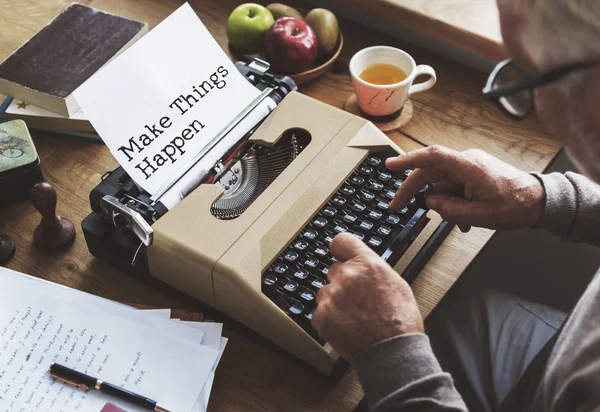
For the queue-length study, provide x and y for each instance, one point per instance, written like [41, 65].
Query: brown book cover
[65, 53]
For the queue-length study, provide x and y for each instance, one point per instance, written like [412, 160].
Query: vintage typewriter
[249, 235]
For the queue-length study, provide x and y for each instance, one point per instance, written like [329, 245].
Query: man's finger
[413, 183]
[457, 210]
[346, 246]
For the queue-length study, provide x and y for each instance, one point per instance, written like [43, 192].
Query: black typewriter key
[366, 195]
[366, 225]
[331, 259]
[392, 220]
[384, 176]
[340, 227]
[384, 231]
[349, 216]
[311, 261]
[328, 236]
[373, 161]
[338, 201]
[300, 273]
[321, 251]
[348, 190]
[375, 242]
[424, 189]
[390, 194]
[383, 205]
[306, 294]
[397, 184]
[374, 185]
[300, 244]
[407, 172]
[269, 280]
[329, 211]
[374, 214]
[359, 235]
[412, 201]
[290, 255]
[296, 309]
[358, 206]
[324, 270]
[320, 221]
[403, 211]
[317, 282]
[280, 268]
[357, 180]
[365, 170]
[309, 233]
[290, 286]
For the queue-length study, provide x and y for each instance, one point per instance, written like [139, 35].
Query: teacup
[387, 100]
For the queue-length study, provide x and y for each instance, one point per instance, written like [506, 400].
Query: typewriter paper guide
[160, 102]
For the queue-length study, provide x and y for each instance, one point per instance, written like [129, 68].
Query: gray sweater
[402, 373]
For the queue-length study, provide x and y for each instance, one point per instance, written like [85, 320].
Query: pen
[83, 381]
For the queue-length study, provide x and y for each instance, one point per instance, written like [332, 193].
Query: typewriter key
[348, 190]
[374, 214]
[397, 184]
[390, 194]
[384, 176]
[365, 170]
[366, 195]
[359, 235]
[357, 180]
[329, 211]
[300, 244]
[375, 242]
[383, 205]
[300, 273]
[307, 294]
[290, 256]
[384, 231]
[373, 161]
[392, 220]
[338, 201]
[280, 268]
[374, 185]
[309, 233]
[366, 225]
[321, 251]
[359, 207]
[320, 222]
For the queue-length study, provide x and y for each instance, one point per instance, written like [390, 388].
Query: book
[144, 351]
[50, 66]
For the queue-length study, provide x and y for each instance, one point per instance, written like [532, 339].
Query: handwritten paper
[39, 326]
[160, 102]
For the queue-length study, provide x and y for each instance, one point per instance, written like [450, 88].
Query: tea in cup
[383, 80]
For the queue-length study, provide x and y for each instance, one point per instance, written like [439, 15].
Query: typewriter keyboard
[361, 207]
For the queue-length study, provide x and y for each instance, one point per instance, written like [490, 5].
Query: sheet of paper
[39, 328]
[22, 282]
[202, 402]
[161, 101]
[164, 314]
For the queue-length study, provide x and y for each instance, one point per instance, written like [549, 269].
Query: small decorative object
[53, 232]
[19, 162]
[7, 248]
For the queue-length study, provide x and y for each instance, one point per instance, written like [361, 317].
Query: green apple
[247, 25]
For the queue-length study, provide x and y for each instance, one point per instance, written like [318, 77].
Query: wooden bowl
[320, 66]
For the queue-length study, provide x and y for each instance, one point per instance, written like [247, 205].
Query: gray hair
[569, 29]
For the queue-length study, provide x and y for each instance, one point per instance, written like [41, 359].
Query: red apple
[290, 45]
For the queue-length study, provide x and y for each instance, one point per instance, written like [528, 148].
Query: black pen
[83, 381]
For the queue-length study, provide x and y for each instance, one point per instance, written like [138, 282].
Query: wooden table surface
[254, 375]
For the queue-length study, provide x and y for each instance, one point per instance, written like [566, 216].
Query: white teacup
[385, 100]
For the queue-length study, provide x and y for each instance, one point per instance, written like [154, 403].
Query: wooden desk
[254, 375]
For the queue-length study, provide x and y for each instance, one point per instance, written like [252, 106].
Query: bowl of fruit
[302, 44]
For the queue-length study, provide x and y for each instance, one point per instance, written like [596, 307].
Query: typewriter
[251, 236]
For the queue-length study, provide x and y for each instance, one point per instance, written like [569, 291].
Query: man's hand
[365, 302]
[470, 188]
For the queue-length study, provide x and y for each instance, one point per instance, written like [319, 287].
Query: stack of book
[41, 75]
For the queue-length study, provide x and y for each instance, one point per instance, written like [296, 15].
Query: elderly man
[504, 353]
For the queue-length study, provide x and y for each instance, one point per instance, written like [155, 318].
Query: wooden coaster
[405, 115]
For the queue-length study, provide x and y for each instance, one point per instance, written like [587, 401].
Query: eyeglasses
[512, 89]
